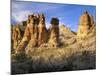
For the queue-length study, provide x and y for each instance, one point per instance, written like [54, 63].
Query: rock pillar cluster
[36, 34]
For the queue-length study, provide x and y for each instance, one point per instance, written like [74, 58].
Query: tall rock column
[34, 33]
[54, 33]
[27, 35]
[42, 38]
[16, 36]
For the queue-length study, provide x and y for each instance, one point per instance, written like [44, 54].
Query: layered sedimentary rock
[54, 33]
[86, 26]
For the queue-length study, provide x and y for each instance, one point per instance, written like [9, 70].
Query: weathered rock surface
[86, 26]
[42, 38]
[16, 36]
[27, 35]
[66, 35]
[35, 33]
[54, 33]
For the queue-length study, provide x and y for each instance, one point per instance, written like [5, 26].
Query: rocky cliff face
[86, 26]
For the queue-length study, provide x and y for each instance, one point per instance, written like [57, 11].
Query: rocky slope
[66, 35]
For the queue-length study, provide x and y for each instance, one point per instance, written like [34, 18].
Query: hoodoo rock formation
[33, 31]
[36, 34]
[42, 37]
[86, 25]
[39, 35]
[54, 33]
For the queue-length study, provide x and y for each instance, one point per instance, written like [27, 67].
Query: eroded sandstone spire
[35, 33]
[16, 36]
[42, 37]
[86, 25]
[24, 40]
[54, 33]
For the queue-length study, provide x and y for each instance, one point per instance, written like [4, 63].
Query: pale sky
[68, 14]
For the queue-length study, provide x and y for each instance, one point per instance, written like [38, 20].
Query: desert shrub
[21, 63]
[20, 57]
[54, 59]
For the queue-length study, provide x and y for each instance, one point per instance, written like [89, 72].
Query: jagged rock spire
[42, 38]
[86, 22]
